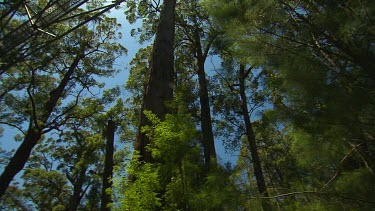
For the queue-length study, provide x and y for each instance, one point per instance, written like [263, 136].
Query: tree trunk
[75, 199]
[19, 159]
[108, 166]
[206, 122]
[259, 176]
[159, 89]
[34, 133]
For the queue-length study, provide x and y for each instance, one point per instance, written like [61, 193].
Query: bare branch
[14, 126]
[341, 162]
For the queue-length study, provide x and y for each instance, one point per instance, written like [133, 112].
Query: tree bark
[108, 165]
[34, 132]
[159, 89]
[258, 172]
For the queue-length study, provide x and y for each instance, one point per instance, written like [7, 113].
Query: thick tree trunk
[206, 122]
[159, 89]
[34, 133]
[108, 166]
[19, 159]
[258, 172]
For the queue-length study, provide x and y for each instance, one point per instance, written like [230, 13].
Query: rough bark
[159, 89]
[108, 166]
[258, 172]
[34, 133]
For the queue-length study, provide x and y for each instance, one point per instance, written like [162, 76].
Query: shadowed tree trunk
[77, 183]
[258, 172]
[201, 45]
[206, 122]
[35, 132]
[159, 89]
[108, 165]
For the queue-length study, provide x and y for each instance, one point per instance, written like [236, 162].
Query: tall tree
[42, 83]
[258, 171]
[318, 56]
[198, 38]
[159, 88]
[108, 165]
[238, 99]
[75, 155]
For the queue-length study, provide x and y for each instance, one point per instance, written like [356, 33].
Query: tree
[250, 134]
[49, 188]
[29, 27]
[175, 181]
[108, 164]
[159, 88]
[42, 83]
[198, 37]
[311, 52]
[13, 199]
[77, 155]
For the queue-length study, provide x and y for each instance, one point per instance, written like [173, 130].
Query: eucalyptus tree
[239, 99]
[68, 170]
[197, 37]
[51, 84]
[159, 87]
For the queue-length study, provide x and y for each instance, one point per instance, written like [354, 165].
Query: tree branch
[338, 168]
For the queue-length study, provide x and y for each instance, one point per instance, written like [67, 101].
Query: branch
[18, 202]
[70, 178]
[341, 162]
[14, 126]
[286, 194]
[248, 72]
[33, 105]
[315, 192]
[364, 161]
[54, 124]
[208, 47]
[156, 7]
[49, 42]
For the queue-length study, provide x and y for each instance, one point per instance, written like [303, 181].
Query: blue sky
[133, 45]
[7, 140]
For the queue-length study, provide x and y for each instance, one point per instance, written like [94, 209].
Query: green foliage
[218, 192]
[358, 184]
[47, 189]
[320, 89]
[175, 182]
[172, 138]
[148, 13]
[312, 69]
[173, 145]
[139, 71]
[142, 194]
[13, 199]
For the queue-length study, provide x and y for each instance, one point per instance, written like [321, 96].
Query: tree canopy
[286, 85]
